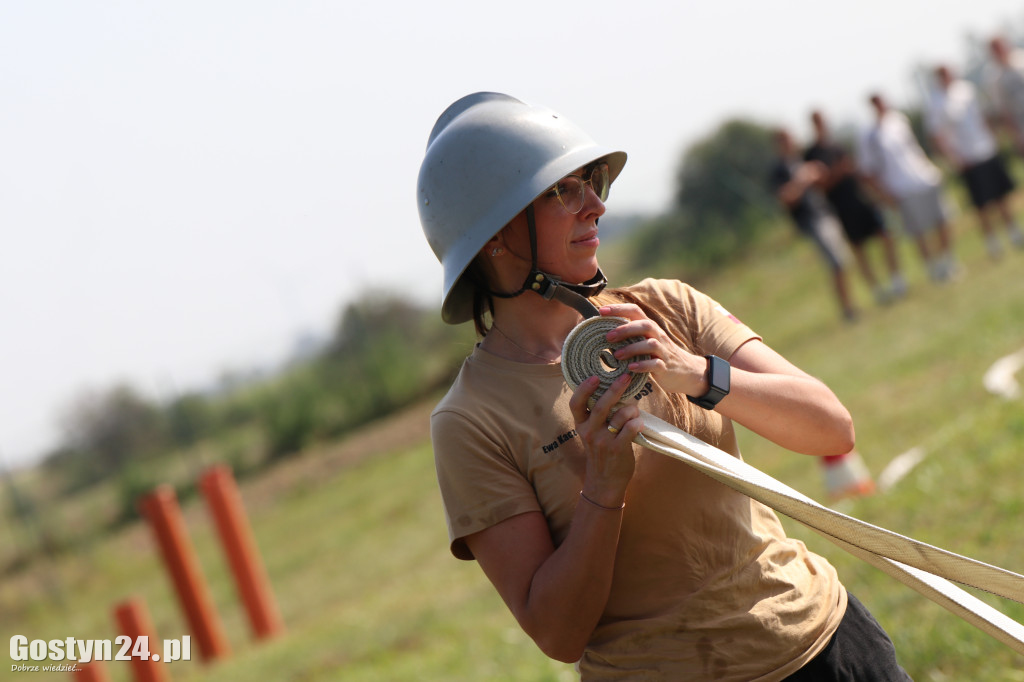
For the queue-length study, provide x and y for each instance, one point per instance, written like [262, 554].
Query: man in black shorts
[795, 184]
[960, 132]
[861, 219]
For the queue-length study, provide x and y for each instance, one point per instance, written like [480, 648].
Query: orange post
[164, 515]
[93, 671]
[226, 506]
[133, 620]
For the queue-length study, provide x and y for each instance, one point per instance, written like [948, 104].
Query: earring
[497, 251]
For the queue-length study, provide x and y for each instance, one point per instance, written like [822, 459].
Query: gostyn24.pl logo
[64, 654]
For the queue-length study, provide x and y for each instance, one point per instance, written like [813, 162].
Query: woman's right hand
[607, 439]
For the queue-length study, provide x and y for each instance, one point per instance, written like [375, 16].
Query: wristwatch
[718, 383]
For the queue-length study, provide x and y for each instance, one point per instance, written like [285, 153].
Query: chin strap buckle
[573, 295]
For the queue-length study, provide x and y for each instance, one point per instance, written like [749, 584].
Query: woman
[623, 560]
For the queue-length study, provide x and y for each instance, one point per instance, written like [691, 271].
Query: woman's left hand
[674, 368]
[769, 395]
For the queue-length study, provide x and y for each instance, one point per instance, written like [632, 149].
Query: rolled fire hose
[923, 567]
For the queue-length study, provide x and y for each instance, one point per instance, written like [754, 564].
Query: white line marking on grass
[999, 378]
[900, 466]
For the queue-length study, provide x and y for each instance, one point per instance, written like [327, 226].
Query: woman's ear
[495, 246]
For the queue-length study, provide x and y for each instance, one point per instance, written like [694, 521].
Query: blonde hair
[683, 413]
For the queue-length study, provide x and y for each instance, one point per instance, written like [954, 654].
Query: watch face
[718, 383]
[719, 374]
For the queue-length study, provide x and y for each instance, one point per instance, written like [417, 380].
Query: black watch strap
[718, 383]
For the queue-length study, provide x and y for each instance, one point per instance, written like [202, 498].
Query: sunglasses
[572, 192]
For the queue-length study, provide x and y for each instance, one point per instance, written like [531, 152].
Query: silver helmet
[488, 157]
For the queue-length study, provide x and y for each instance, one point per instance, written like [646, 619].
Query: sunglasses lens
[571, 193]
[599, 180]
[572, 189]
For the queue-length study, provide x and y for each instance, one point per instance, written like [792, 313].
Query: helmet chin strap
[573, 295]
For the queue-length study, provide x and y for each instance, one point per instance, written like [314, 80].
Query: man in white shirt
[1004, 80]
[960, 133]
[896, 167]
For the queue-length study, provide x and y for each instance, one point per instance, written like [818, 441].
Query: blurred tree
[103, 430]
[19, 506]
[724, 175]
[375, 314]
[722, 199]
[189, 418]
[386, 352]
[291, 414]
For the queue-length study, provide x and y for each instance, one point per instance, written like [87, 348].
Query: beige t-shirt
[706, 584]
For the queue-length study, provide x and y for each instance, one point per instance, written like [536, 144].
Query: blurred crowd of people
[835, 194]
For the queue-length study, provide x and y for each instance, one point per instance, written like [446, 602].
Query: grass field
[353, 536]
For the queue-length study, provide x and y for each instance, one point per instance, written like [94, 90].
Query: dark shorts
[860, 221]
[859, 651]
[987, 181]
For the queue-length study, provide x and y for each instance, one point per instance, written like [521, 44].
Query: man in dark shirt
[861, 219]
[795, 183]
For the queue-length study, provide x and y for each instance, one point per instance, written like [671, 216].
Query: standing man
[958, 130]
[861, 219]
[1005, 88]
[795, 182]
[896, 167]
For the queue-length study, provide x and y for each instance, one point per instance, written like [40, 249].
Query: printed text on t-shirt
[568, 435]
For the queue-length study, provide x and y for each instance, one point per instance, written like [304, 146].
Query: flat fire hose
[923, 567]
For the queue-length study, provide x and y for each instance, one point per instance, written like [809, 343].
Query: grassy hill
[353, 536]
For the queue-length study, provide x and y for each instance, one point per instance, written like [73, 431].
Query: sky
[187, 188]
